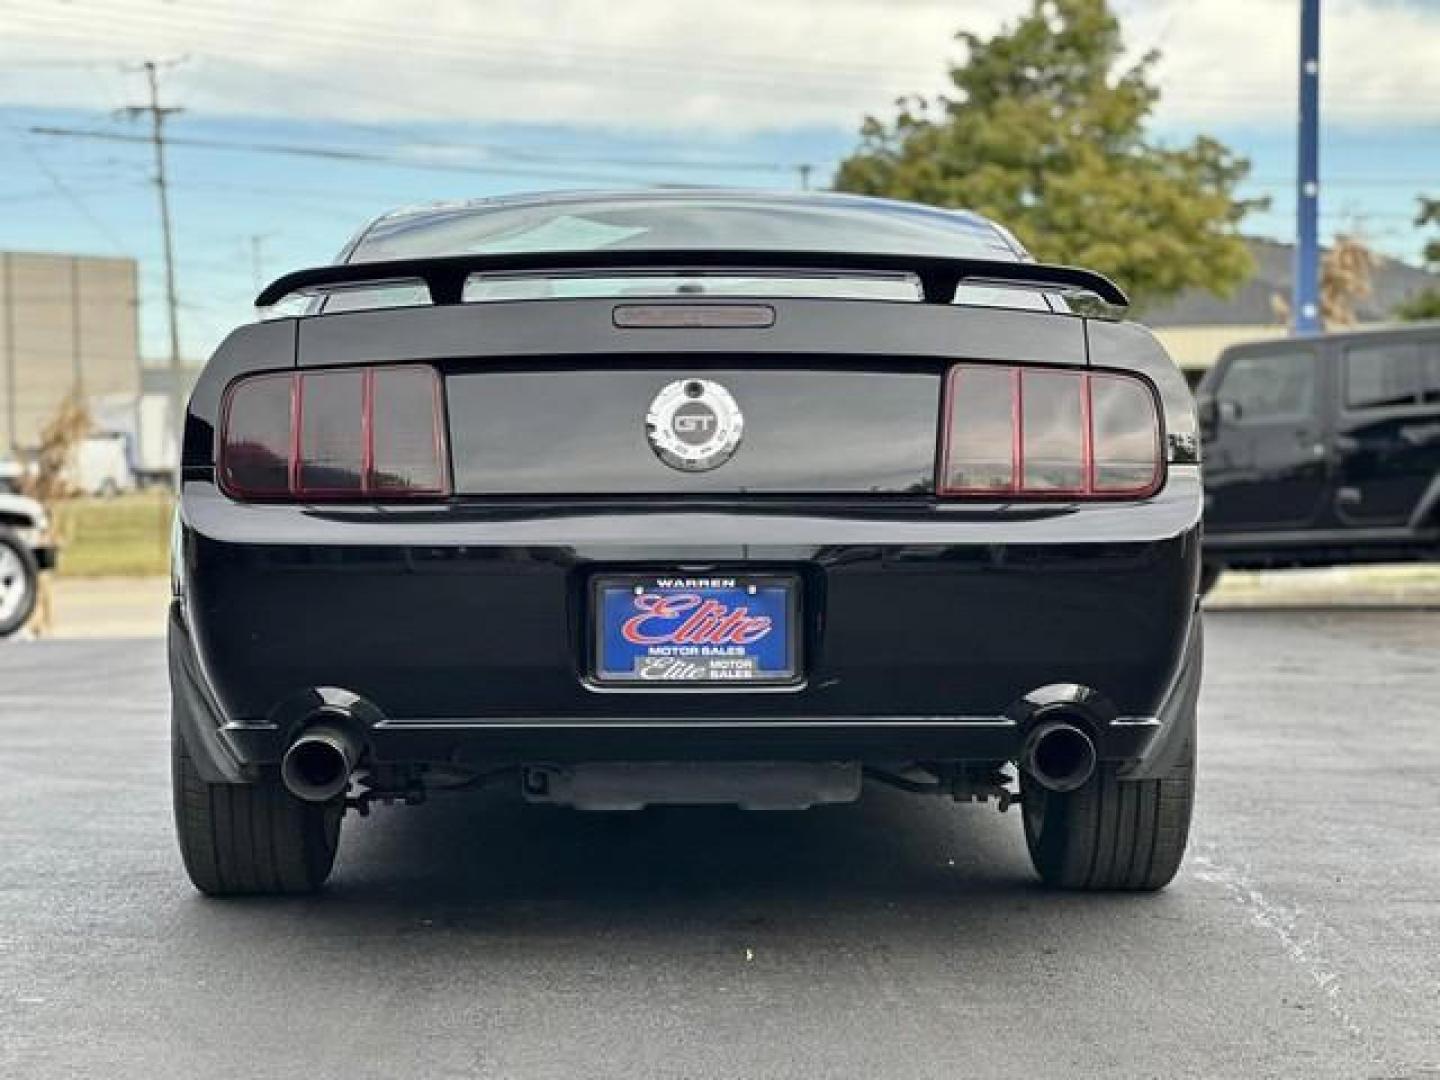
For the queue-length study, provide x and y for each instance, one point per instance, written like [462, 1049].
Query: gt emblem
[694, 425]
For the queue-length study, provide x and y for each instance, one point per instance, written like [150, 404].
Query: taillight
[1045, 433]
[351, 433]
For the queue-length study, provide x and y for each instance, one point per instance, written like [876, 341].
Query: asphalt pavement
[897, 937]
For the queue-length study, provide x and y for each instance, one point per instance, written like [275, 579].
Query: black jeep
[1323, 450]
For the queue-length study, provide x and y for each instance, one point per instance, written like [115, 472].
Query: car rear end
[429, 545]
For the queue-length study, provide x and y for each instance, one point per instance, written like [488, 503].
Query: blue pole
[1305, 307]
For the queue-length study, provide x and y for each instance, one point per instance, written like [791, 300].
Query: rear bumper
[461, 635]
[237, 751]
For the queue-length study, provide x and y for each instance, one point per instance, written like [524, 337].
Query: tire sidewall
[31, 570]
[304, 836]
[1064, 830]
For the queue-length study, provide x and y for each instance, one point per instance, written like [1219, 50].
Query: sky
[403, 103]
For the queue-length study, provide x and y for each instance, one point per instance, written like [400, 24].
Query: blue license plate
[696, 630]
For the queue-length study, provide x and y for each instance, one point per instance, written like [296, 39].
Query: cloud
[1234, 61]
[677, 65]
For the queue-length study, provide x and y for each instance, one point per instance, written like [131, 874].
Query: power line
[69, 195]
[397, 160]
[528, 56]
[688, 163]
[708, 163]
[330, 195]
[61, 65]
[494, 57]
[529, 52]
[332, 153]
[45, 194]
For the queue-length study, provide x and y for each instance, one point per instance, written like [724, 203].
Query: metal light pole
[1305, 307]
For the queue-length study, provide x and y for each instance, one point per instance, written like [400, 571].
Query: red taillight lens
[354, 433]
[1040, 432]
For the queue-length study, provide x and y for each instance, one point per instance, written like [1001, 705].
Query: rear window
[661, 222]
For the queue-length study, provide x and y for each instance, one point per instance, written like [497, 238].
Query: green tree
[1046, 133]
[1426, 303]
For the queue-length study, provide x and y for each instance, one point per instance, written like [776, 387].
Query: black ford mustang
[686, 497]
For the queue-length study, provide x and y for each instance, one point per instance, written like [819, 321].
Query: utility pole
[158, 114]
[257, 262]
[1305, 306]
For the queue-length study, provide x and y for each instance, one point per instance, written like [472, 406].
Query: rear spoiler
[445, 276]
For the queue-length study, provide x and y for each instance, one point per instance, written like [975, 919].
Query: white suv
[26, 548]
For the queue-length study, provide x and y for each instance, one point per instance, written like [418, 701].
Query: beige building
[66, 321]
[1196, 348]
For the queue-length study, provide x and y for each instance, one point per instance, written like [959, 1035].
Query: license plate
[696, 630]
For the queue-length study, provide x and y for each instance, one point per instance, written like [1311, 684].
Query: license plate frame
[704, 665]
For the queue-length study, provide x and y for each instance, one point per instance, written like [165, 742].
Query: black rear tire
[250, 839]
[1111, 834]
[21, 585]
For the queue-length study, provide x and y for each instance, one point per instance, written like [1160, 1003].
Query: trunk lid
[738, 429]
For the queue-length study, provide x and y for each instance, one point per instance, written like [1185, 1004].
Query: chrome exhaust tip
[318, 765]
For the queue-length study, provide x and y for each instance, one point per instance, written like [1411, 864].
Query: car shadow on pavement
[495, 867]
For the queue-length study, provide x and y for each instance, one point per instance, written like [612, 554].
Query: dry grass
[128, 536]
